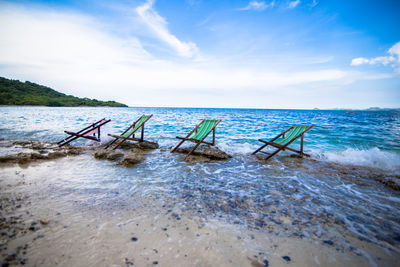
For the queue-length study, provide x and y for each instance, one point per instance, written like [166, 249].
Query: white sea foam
[373, 157]
[236, 148]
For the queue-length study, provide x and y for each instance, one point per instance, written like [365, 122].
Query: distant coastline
[16, 93]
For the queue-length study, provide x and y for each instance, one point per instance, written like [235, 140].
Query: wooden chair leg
[259, 149]
[180, 143]
[273, 154]
[111, 143]
[301, 144]
[193, 149]
[213, 141]
[68, 141]
[120, 143]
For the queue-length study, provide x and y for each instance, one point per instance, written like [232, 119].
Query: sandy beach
[47, 223]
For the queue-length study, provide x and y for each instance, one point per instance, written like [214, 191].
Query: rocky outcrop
[209, 152]
[145, 145]
[128, 154]
[131, 160]
[36, 151]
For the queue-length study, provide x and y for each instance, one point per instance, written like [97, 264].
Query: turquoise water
[367, 138]
[325, 197]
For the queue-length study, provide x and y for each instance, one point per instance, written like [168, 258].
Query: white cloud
[258, 5]
[393, 58]
[314, 3]
[294, 4]
[359, 61]
[159, 26]
[74, 54]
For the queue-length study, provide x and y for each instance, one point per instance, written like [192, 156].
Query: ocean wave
[373, 157]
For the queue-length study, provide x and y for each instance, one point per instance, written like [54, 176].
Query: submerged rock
[8, 158]
[112, 156]
[41, 151]
[145, 145]
[131, 160]
[56, 154]
[37, 156]
[74, 150]
[101, 154]
[211, 152]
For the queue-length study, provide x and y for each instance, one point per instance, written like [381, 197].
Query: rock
[148, 145]
[197, 159]
[211, 152]
[112, 156]
[56, 154]
[255, 263]
[8, 158]
[24, 158]
[101, 154]
[286, 258]
[22, 143]
[74, 150]
[131, 160]
[139, 147]
[37, 156]
[44, 221]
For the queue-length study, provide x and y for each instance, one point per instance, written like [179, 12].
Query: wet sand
[65, 236]
[42, 225]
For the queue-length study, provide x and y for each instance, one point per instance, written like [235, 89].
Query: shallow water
[366, 138]
[312, 199]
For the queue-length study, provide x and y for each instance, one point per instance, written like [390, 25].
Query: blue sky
[196, 53]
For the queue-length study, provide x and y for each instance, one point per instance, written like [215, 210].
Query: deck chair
[129, 134]
[200, 132]
[91, 132]
[284, 139]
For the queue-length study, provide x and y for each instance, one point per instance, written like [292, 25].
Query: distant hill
[14, 92]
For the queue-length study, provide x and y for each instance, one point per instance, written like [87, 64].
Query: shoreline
[49, 217]
[59, 233]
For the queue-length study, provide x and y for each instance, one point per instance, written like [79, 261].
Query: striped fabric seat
[198, 134]
[129, 134]
[137, 126]
[284, 139]
[91, 132]
[292, 134]
[203, 129]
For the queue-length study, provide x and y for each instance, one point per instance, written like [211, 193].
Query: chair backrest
[137, 126]
[293, 133]
[96, 126]
[205, 127]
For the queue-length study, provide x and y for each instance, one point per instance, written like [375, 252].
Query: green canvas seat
[198, 134]
[284, 139]
[129, 134]
[91, 132]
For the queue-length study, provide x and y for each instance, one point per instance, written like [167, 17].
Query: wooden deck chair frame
[284, 147]
[123, 139]
[84, 133]
[198, 142]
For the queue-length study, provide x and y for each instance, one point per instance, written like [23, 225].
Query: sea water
[367, 138]
[328, 197]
